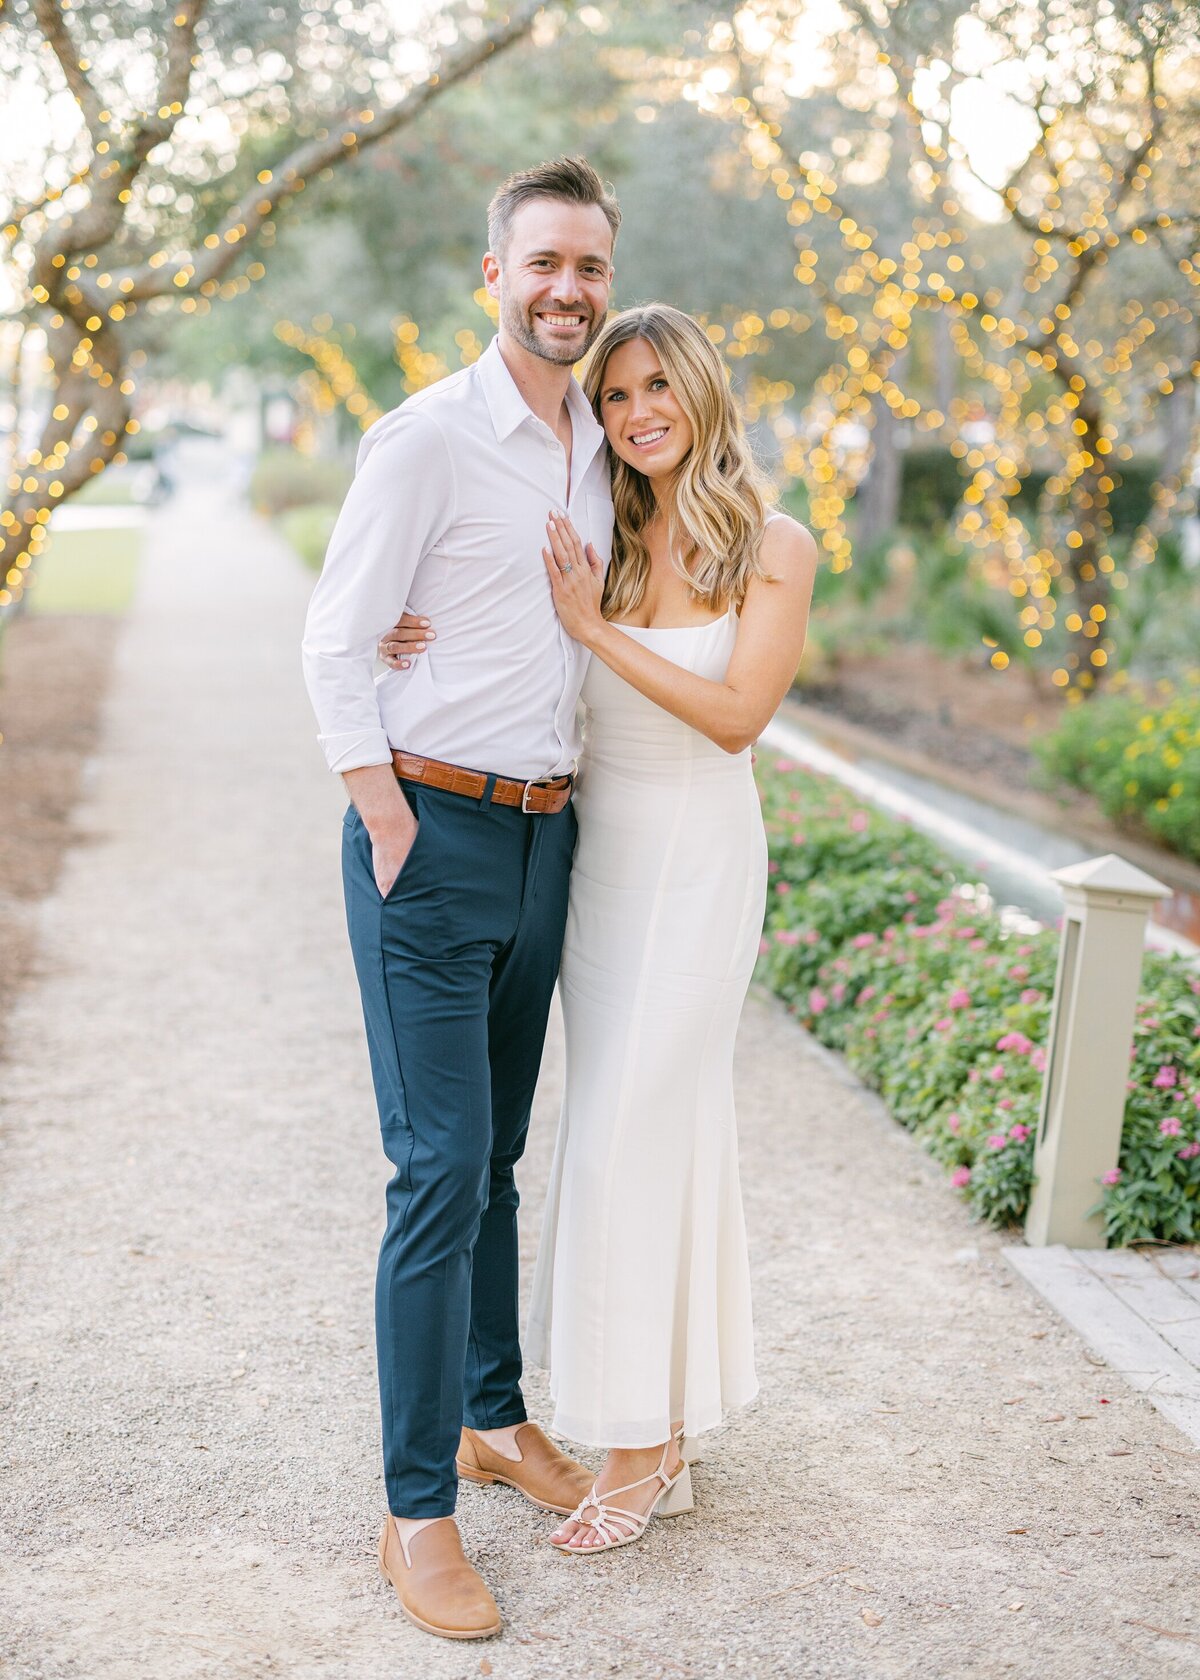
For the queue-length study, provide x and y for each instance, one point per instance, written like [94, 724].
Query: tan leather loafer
[548, 1477]
[439, 1591]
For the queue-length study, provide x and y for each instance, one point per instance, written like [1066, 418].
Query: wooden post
[1106, 904]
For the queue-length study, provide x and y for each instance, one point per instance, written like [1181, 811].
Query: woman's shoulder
[788, 549]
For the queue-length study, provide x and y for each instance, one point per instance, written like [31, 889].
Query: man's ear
[491, 273]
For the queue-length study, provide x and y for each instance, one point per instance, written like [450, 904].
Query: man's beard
[519, 327]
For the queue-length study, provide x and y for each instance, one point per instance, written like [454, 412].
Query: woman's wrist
[598, 635]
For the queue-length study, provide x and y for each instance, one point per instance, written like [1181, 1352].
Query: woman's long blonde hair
[719, 505]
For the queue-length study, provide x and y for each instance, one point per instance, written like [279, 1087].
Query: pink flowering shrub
[945, 1013]
[1158, 1192]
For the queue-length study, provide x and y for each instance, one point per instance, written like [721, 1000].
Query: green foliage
[1157, 1192]
[889, 957]
[1130, 499]
[932, 481]
[1158, 617]
[309, 529]
[931, 487]
[1139, 754]
[283, 479]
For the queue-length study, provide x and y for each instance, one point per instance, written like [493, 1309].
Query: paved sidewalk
[936, 1480]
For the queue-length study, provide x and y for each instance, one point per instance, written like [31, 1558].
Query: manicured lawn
[117, 487]
[87, 571]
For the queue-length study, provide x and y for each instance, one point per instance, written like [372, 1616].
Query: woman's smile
[648, 439]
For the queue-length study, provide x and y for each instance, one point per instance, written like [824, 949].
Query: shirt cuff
[356, 751]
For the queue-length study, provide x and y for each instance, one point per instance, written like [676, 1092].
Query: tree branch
[53, 26]
[326, 150]
[154, 128]
[22, 212]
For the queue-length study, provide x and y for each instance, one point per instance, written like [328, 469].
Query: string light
[336, 382]
[868, 302]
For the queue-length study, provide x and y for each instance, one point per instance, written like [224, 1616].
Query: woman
[641, 1293]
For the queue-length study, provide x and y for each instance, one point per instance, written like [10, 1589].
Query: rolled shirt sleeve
[400, 503]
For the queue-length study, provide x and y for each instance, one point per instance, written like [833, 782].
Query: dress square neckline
[655, 629]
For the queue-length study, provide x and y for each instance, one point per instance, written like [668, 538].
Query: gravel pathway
[936, 1480]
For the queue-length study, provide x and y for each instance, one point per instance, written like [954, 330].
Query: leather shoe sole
[485, 1476]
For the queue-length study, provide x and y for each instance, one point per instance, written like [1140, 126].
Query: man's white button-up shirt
[447, 517]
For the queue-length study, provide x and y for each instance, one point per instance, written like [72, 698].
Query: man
[456, 878]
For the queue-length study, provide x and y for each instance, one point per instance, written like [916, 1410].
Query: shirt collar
[508, 407]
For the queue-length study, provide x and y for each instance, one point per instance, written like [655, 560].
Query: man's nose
[565, 288]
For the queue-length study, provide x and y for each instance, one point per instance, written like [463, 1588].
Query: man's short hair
[571, 179]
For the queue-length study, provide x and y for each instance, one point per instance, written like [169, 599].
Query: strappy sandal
[610, 1522]
[689, 1445]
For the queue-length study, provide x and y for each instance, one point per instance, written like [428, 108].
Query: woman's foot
[622, 1466]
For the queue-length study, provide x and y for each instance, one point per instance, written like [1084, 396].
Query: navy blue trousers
[456, 967]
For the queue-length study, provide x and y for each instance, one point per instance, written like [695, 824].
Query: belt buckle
[537, 782]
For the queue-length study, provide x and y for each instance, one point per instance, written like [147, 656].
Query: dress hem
[595, 1434]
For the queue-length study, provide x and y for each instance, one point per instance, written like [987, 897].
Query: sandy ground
[53, 674]
[935, 1481]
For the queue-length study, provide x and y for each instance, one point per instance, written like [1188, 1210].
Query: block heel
[676, 1499]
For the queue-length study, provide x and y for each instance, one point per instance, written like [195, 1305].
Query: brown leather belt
[543, 798]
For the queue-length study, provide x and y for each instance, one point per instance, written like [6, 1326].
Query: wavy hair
[719, 505]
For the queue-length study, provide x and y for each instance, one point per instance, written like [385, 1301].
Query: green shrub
[1129, 502]
[931, 485]
[309, 529]
[874, 940]
[1139, 754]
[932, 481]
[283, 479]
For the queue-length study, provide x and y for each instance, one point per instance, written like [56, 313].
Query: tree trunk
[1088, 601]
[877, 499]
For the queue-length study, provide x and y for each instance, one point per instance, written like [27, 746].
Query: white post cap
[1109, 880]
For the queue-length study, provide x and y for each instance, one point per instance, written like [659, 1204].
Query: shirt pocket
[600, 525]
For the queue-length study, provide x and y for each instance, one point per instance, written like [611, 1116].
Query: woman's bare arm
[770, 639]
